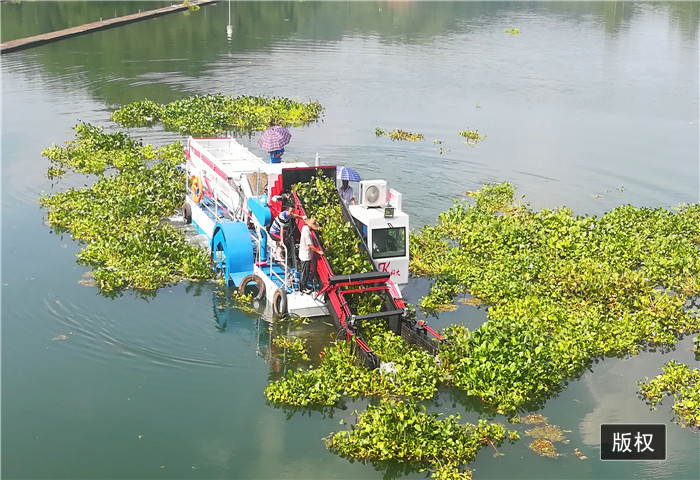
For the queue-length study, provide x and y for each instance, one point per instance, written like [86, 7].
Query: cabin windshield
[389, 242]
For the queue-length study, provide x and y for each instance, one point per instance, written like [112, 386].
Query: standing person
[346, 193]
[306, 250]
[282, 230]
[276, 155]
[273, 139]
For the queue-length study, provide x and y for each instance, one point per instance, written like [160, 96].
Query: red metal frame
[335, 291]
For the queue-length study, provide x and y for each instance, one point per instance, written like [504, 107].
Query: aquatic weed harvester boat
[232, 198]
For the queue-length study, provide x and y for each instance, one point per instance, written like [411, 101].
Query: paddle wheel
[232, 248]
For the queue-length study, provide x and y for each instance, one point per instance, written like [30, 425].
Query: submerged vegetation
[118, 218]
[218, 114]
[684, 384]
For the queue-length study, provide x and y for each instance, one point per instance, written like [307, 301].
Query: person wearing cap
[306, 251]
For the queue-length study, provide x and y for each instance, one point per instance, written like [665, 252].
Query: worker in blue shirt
[276, 155]
[282, 231]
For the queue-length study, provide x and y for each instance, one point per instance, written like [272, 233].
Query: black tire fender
[252, 279]
[279, 302]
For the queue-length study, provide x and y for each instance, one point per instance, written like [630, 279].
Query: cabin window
[389, 242]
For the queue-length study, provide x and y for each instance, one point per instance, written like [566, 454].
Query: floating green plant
[405, 432]
[472, 135]
[118, 218]
[218, 114]
[294, 347]
[232, 298]
[192, 7]
[563, 290]
[93, 151]
[513, 31]
[544, 448]
[684, 384]
[535, 418]
[548, 432]
[410, 372]
[399, 135]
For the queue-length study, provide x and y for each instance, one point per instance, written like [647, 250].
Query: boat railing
[218, 209]
[271, 245]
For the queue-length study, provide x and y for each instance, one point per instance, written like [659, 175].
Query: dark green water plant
[118, 218]
[563, 290]
[683, 384]
[210, 115]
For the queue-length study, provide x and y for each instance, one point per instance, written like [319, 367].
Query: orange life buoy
[197, 190]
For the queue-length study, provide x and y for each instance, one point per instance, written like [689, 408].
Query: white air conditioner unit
[373, 193]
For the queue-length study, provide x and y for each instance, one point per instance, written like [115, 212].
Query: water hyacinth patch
[563, 290]
[294, 349]
[683, 384]
[472, 136]
[210, 115]
[94, 150]
[399, 134]
[544, 448]
[414, 373]
[119, 217]
[404, 431]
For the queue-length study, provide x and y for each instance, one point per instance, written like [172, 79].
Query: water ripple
[145, 338]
